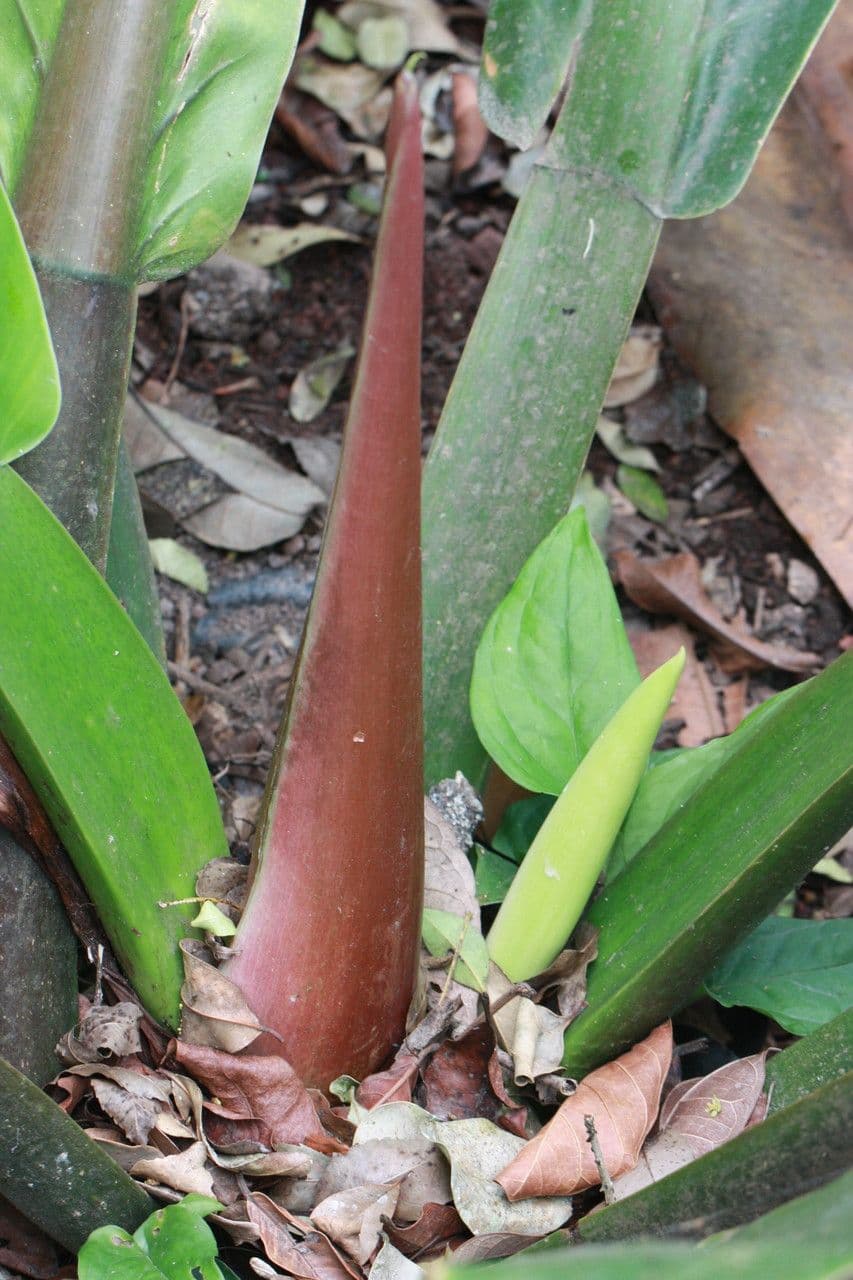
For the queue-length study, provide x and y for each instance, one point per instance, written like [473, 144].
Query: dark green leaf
[644, 491]
[443, 932]
[719, 866]
[672, 102]
[554, 663]
[89, 713]
[173, 1244]
[493, 874]
[526, 55]
[29, 378]
[811, 1062]
[799, 972]
[520, 824]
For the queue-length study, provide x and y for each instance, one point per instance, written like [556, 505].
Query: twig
[179, 350]
[606, 1180]
[454, 959]
[227, 696]
[691, 1046]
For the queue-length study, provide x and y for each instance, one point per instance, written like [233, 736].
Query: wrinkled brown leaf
[674, 586]
[188, 1171]
[313, 1258]
[135, 1116]
[225, 881]
[697, 1116]
[622, 1097]
[215, 1012]
[488, 1248]
[437, 1225]
[637, 367]
[456, 1078]
[352, 1219]
[756, 298]
[104, 1030]
[448, 877]
[263, 1088]
[316, 130]
[395, 1084]
[530, 1033]
[415, 1164]
[565, 978]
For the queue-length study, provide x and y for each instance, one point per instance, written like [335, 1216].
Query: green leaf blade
[719, 866]
[554, 663]
[223, 72]
[29, 29]
[90, 715]
[29, 378]
[798, 972]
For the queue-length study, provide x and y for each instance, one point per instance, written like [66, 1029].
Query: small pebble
[803, 582]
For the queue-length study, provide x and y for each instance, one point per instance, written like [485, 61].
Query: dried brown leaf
[313, 1258]
[456, 1078]
[135, 1116]
[448, 877]
[260, 1088]
[215, 1012]
[622, 1097]
[187, 1171]
[24, 1247]
[530, 1033]
[674, 586]
[695, 701]
[414, 1164]
[352, 1219]
[437, 1225]
[565, 977]
[104, 1030]
[488, 1248]
[469, 128]
[395, 1084]
[637, 367]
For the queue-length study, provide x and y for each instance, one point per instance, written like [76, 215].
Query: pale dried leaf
[102, 1031]
[612, 436]
[188, 1171]
[449, 878]
[565, 977]
[530, 1033]
[674, 586]
[147, 442]
[425, 23]
[123, 1155]
[414, 1163]
[477, 1151]
[240, 464]
[348, 91]
[319, 457]
[622, 1097]
[224, 880]
[637, 367]
[353, 1218]
[391, 1264]
[215, 1012]
[695, 699]
[288, 1161]
[135, 1116]
[314, 384]
[239, 523]
[490, 1247]
[264, 244]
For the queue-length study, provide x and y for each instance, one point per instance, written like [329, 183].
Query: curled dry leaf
[565, 978]
[415, 1165]
[215, 1012]
[637, 367]
[261, 1088]
[319, 457]
[448, 877]
[314, 384]
[136, 1116]
[530, 1033]
[187, 1171]
[697, 1116]
[352, 1219]
[314, 1258]
[438, 1224]
[264, 244]
[674, 586]
[104, 1030]
[488, 1248]
[696, 701]
[225, 881]
[622, 1097]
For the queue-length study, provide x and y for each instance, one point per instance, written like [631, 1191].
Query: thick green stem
[78, 199]
[518, 422]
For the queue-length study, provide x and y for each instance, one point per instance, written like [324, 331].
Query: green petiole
[553, 884]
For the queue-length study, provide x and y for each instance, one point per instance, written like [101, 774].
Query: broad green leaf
[672, 101]
[719, 866]
[811, 1062]
[493, 874]
[89, 713]
[29, 378]
[172, 1244]
[793, 1151]
[53, 1172]
[799, 972]
[673, 778]
[520, 824]
[526, 54]
[219, 77]
[443, 932]
[644, 491]
[554, 663]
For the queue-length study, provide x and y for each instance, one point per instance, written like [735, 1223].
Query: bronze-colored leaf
[313, 1258]
[395, 1084]
[456, 1078]
[214, 1010]
[263, 1088]
[705, 710]
[674, 586]
[622, 1097]
[437, 1225]
[756, 298]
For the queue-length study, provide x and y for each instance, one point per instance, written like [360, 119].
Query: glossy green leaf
[443, 932]
[527, 49]
[673, 778]
[520, 824]
[216, 69]
[644, 492]
[718, 867]
[89, 713]
[554, 663]
[811, 1062]
[793, 1151]
[173, 1244]
[493, 874]
[29, 378]
[54, 1173]
[671, 101]
[798, 972]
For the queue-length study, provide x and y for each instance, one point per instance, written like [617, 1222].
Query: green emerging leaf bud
[554, 882]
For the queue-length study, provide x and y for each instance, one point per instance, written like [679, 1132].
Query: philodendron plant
[128, 144]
